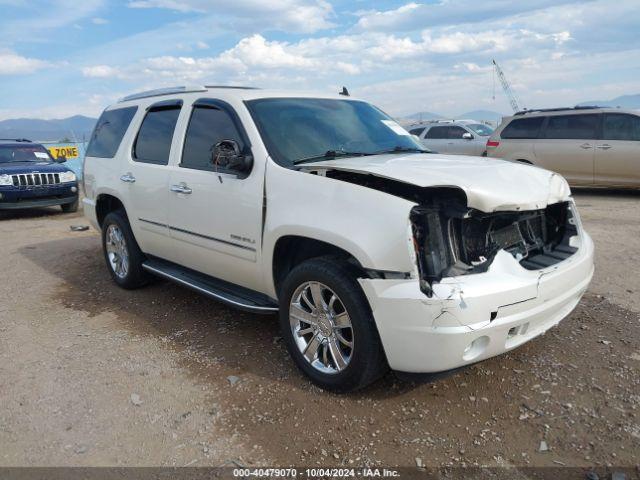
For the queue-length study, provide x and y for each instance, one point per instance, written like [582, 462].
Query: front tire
[70, 207]
[121, 252]
[328, 327]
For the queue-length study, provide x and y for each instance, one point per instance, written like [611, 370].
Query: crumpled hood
[490, 184]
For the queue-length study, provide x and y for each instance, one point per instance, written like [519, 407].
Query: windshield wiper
[399, 149]
[330, 155]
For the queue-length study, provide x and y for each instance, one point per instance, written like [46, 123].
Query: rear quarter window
[523, 128]
[108, 132]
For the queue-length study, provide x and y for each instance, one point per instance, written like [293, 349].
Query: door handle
[181, 188]
[604, 146]
[585, 146]
[128, 178]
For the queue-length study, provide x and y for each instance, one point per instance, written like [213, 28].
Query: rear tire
[122, 253]
[329, 361]
[70, 207]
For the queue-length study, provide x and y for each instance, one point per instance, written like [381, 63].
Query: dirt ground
[94, 375]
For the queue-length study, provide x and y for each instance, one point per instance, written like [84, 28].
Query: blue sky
[65, 57]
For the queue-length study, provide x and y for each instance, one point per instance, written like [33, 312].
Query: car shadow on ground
[240, 342]
[605, 192]
[30, 213]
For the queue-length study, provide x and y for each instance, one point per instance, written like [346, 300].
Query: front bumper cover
[474, 317]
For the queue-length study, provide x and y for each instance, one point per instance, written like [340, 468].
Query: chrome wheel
[117, 251]
[321, 327]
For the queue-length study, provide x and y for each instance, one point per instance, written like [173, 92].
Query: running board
[225, 292]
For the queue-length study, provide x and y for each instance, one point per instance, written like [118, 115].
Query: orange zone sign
[65, 151]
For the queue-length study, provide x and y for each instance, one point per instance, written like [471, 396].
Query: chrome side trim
[209, 293]
[188, 232]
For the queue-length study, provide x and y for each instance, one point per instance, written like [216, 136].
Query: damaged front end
[451, 239]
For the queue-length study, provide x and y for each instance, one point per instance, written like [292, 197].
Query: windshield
[481, 129]
[306, 129]
[24, 153]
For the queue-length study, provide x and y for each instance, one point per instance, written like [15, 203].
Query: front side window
[153, 143]
[456, 133]
[108, 132]
[621, 126]
[523, 128]
[295, 130]
[24, 153]
[481, 129]
[208, 126]
[575, 127]
[438, 133]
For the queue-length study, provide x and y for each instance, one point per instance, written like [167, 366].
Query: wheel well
[291, 250]
[106, 204]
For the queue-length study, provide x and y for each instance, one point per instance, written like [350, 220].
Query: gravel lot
[94, 375]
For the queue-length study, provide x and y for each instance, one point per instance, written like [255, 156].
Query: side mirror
[226, 154]
[467, 136]
[61, 159]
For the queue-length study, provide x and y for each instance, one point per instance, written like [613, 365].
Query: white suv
[323, 208]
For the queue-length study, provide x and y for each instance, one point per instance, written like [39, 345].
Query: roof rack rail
[15, 140]
[236, 87]
[558, 109]
[163, 91]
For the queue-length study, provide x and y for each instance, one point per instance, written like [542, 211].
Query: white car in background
[459, 137]
[376, 254]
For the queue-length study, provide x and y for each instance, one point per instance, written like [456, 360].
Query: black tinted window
[207, 127]
[523, 128]
[619, 126]
[108, 132]
[416, 131]
[438, 132]
[576, 127]
[153, 143]
[456, 132]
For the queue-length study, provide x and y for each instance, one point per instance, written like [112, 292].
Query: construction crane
[506, 86]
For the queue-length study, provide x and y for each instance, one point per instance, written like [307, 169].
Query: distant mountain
[625, 101]
[423, 116]
[480, 115]
[73, 128]
[486, 115]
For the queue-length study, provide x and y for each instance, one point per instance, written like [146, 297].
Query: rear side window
[153, 143]
[438, 132]
[108, 132]
[208, 126]
[620, 126]
[523, 128]
[456, 132]
[575, 127]
[416, 131]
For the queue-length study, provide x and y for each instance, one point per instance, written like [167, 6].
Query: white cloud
[13, 64]
[304, 16]
[44, 17]
[99, 21]
[100, 71]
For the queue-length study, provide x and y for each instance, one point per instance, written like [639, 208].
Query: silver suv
[460, 137]
[589, 146]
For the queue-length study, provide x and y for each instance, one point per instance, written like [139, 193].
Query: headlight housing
[67, 177]
[6, 180]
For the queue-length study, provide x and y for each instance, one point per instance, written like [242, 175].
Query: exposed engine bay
[452, 239]
[449, 245]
